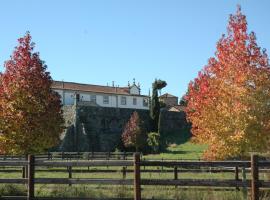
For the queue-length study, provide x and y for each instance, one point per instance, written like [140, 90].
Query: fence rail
[75, 156]
[32, 165]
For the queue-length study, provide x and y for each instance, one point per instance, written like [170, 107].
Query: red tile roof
[61, 85]
[177, 108]
[167, 95]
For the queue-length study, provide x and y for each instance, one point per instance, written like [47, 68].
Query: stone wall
[100, 128]
[172, 122]
[169, 101]
[104, 126]
[69, 115]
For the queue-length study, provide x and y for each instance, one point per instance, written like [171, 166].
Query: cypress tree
[155, 104]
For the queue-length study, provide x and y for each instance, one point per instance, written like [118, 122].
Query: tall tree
[31, 116]
[134, 134]
[228, 103]
[155, 104]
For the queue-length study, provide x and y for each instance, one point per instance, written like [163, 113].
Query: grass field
[186, 150]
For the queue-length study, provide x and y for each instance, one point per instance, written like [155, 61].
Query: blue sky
[100, 41]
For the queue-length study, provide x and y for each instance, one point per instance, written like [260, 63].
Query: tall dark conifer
[155, 104]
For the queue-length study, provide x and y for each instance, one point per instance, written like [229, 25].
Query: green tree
[31, 116]
[155, 104]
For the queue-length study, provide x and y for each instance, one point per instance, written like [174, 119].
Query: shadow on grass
[176, 138]
[178, 152]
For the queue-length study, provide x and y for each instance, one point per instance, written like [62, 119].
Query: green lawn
[179, 147]
[185, 151]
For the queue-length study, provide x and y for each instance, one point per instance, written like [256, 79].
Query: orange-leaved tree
[134, 134]
[31, 117]
[229, 102]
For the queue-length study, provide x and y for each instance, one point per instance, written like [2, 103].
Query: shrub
[153, 141]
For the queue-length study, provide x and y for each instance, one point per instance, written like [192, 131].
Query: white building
[105, 96]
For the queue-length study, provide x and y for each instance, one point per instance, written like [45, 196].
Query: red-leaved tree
[31, 118]
[134, 134]
[228, 103]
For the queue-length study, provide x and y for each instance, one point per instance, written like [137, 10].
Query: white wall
[134, 90]
[129, 102]
[67, 98]
[112, 100]
[84, 97]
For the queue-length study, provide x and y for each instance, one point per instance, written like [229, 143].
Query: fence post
[23, 172]
[88, 155]
[144, 166]
[31, 177]
[26, 168]
[236, 176]
[254, 177]
[124, 172]
[244, 180]
[175, 174]
[124, 158]
[137, 177]
[69, 173]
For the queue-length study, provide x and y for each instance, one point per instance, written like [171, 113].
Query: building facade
[104, 96]
[169, 100]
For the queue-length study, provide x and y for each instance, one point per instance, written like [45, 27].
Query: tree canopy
[155, 104]
[134, 134]
[228, 103]
[31, 118]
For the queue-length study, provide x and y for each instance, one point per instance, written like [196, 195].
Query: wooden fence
[254, 183]
[75, 156]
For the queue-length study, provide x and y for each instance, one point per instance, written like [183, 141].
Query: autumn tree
[228, 103]
[31, 117]
[155, 104]
[134, 134]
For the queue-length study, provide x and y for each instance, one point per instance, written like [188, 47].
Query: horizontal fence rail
[75, 156]
[197, 163]
[84, 163]
[137, 166]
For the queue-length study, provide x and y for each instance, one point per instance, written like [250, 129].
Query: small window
[134, 101]
[78, 97]
[123, 100]
[145, 102]
[105, 99]
[93, 98]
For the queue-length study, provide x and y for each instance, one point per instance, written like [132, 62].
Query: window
[123, 100]
[93, 98]
[77, 97]
[134, 101]
[145, 102]
[105, 99]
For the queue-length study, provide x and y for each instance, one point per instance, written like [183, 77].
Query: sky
[100, 41]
